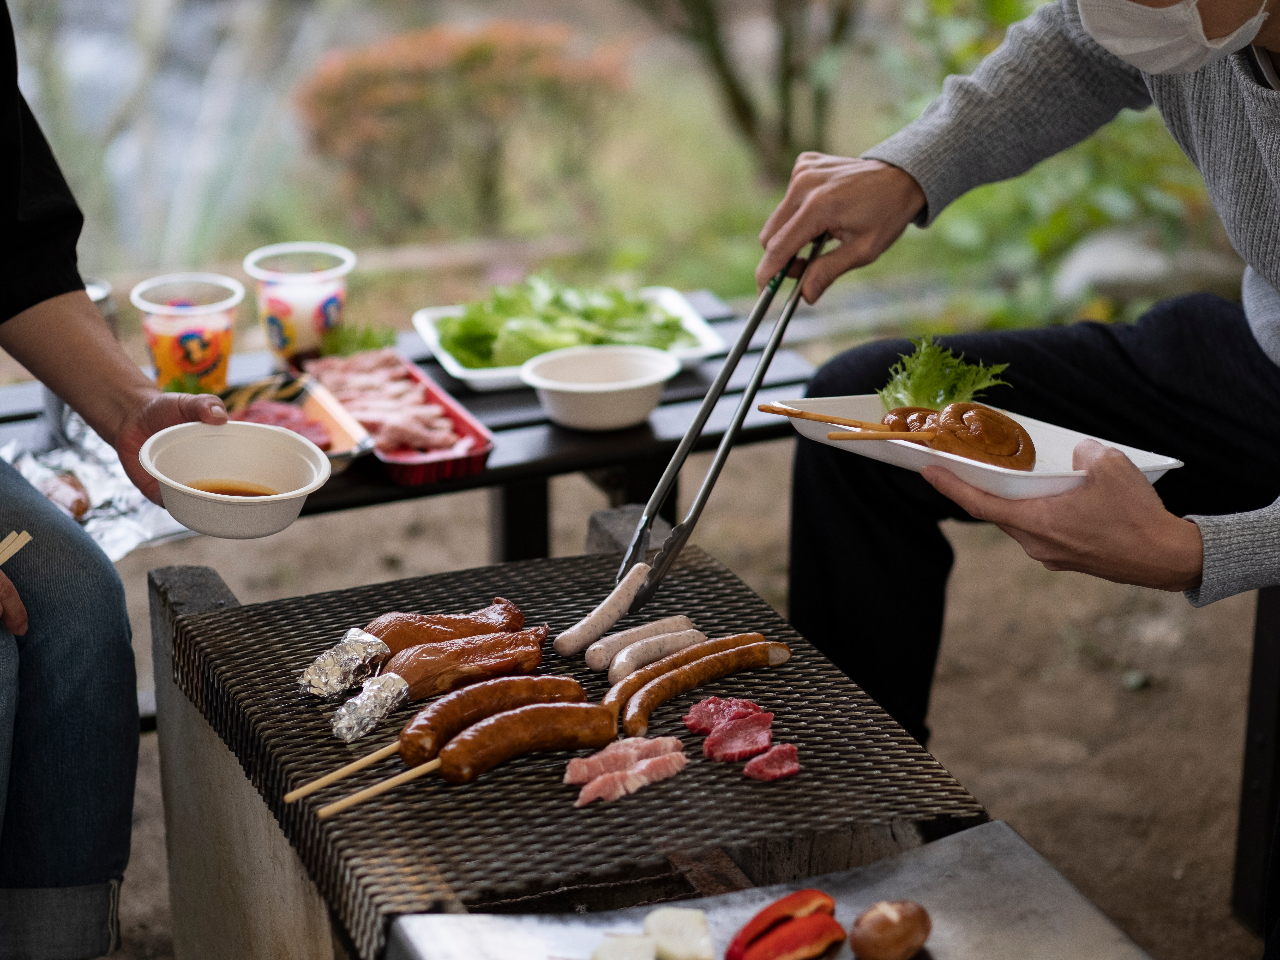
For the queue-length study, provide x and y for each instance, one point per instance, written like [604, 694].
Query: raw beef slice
[706, 714]
[739, 739]
[774, 764]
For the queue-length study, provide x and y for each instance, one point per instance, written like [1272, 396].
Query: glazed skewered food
[539, 728]
[434, 725]
[361, 651]
[433, 668]
[969, 430]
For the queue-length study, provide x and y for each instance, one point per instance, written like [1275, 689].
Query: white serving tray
[507, 378]
[1052, 473]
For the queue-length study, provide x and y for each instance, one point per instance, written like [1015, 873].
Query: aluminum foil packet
[353, 659]
[374, 703]
[119, 518]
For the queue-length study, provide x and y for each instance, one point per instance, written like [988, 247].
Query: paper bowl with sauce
[237, 481]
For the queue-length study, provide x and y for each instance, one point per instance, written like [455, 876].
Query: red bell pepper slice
[802, 903]
[801, 939]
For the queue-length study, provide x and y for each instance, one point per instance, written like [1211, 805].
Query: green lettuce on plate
[933, 377]
[519, 322]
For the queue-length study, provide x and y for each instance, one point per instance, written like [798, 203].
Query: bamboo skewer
[819, 417]
[367, 760]
[13, 543]
[883, 435]
[378, 788]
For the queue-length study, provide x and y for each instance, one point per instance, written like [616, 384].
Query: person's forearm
[65, 343]
[1048, 86]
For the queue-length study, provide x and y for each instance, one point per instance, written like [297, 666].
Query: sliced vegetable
[802, 903]
[933, 377]
[801, 939]
[522, 321]
[679, 934]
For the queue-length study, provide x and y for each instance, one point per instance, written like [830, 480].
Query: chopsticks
[680, 534]
[12, 544]
[866, 429]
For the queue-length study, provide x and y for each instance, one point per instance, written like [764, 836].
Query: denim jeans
[68, 738]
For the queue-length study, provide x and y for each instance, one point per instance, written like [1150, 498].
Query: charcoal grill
[514, 837]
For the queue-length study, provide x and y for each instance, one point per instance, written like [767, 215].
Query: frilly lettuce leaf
[933, 377]
[518, 322]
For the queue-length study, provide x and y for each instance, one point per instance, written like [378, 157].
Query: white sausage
[601, 653]
[644, 652]
[611, 609]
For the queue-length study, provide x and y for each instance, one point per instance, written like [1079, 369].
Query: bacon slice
[611, 786]
[738, 739]
[618, 756]
[775, 763]
[705, 715]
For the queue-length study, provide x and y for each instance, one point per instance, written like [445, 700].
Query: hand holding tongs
[675, 542]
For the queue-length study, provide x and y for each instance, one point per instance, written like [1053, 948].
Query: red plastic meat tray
[465, 458]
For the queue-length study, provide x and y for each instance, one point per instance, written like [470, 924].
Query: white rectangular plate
[1052, 473]
[507, 378]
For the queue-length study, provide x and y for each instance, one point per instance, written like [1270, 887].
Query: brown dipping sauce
[233, 488]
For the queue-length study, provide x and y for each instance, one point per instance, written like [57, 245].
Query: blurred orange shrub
[419, 118]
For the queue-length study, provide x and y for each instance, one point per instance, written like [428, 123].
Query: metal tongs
[675, 542]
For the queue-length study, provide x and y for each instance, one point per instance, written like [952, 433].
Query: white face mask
[1162, 40]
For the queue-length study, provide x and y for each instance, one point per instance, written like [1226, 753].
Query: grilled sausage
[399, 631]
[433, 668]
[684, 678]
[621, 692]
[601, 653]
[538, 728]
[611, 609]
[434, 726]
[645, 652]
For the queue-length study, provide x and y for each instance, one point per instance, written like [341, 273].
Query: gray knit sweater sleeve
[1048, 86]
[1241, 552]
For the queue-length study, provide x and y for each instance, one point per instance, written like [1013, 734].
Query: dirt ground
[1104, 723]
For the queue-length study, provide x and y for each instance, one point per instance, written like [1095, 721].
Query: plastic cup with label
[302, 294]
[188, 320]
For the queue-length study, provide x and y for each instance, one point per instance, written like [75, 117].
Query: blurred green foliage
[1014, 234]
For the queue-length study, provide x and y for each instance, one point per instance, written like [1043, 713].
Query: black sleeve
[39, 220]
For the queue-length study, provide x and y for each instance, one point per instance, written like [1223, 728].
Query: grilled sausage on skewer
[685, 678]
[435, 725]
[534, 729]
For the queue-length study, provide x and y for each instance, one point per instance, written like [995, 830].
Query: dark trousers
[1188, 381]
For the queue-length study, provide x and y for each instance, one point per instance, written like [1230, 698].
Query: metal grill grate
[515, 832]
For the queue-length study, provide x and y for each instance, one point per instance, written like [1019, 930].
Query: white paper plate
[1052, 473]
[507, 378]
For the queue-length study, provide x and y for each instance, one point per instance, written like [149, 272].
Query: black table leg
[519, 521]
[642, 478]
[1260, 787]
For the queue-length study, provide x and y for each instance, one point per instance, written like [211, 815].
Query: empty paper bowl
[237, 481]
[600, 388]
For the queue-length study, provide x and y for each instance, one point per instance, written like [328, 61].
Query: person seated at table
[1196, 378]
[68, 700]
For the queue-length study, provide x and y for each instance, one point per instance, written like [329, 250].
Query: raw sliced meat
[274, 413]
[611, 786]
[775, 763]
[705, 715]
[618, 756]
[739, 739]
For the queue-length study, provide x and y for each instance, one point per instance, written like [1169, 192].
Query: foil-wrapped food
[377, 699]
[353, 659]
